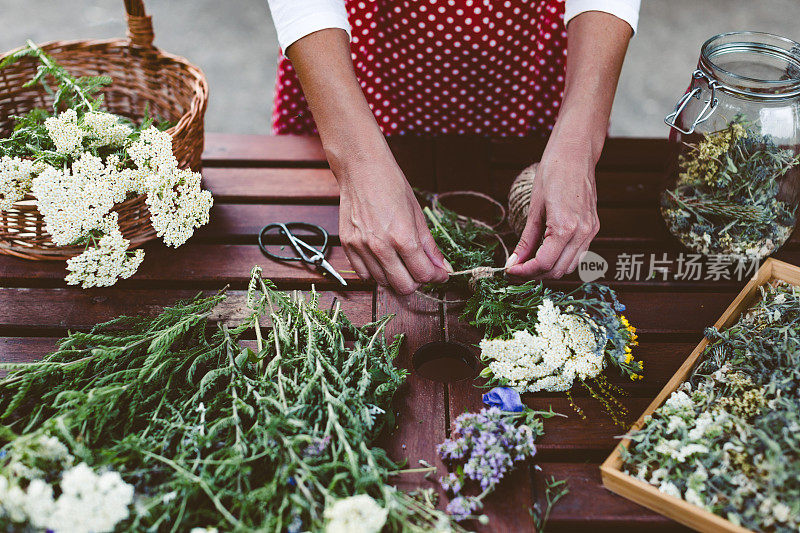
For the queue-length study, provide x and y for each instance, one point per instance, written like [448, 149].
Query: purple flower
[505, 398]
[451, 483]
[461, 507]
[317, 447]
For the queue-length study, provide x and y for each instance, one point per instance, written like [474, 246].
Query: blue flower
[3, 453]
[505, 398]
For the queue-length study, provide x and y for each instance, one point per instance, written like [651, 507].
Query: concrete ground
[234, 42]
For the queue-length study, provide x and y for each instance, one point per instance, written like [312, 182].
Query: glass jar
[732, 188]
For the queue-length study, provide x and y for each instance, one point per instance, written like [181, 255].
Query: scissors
[305, 252]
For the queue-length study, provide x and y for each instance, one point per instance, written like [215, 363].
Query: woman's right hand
[383, 229]
[381, 226]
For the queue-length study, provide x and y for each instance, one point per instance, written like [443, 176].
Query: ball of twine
[519, 198]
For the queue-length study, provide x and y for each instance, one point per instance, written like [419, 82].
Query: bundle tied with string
[519, 198]
[479, 272]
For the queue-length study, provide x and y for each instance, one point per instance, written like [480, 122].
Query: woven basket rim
[201, 89]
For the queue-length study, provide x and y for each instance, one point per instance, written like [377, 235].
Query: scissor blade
[332, 271]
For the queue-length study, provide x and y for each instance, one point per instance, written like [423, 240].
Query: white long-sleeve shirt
[294, 19]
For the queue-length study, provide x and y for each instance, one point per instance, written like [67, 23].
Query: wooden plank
[614, 188]
[194, 265]
[25, 349]
[37, 311]
[414, 155]
[591, 508]
[618, 153]
[227, 149]
[420, 404]
[241, 223]
[618, 227]
[271, 185]
[463, 163]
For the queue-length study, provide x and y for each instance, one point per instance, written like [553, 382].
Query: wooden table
[256, 180]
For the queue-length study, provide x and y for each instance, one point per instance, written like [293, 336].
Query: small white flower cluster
[65, 132]
[177, 203]
[177, 206]
[563, 348]
[356, 514]
[16, 179]
[106, 129]
[78, 201]
[88, 501]
[102, 265]
[99, 128]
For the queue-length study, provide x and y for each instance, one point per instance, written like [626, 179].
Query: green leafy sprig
[215, 433]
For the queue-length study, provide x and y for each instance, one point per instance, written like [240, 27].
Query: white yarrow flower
[104, 264]
[564, 348]
[356, 514]
[65, 132]
[16, 179]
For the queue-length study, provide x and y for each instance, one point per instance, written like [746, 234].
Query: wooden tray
[615, 480]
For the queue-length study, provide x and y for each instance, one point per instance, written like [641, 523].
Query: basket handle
[140, 25]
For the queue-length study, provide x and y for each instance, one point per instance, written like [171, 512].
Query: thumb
[531, 235]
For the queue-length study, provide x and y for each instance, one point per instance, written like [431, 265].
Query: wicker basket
[143, 76]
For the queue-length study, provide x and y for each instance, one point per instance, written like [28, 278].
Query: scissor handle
[305, 252]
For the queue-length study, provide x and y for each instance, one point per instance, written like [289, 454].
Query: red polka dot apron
[430, 67]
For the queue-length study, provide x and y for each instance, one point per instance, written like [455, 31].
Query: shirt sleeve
[294, 19]
[627, 10]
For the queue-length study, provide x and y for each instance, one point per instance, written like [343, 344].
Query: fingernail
[512, 260]
[448, 267]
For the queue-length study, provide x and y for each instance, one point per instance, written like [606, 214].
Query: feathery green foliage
[215, 434]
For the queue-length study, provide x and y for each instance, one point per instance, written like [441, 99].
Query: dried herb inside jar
[727, 198]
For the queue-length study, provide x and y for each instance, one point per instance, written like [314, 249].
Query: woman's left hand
[563, 212]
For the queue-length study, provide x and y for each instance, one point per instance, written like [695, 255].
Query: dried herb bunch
[729, 439]
[535, 338]
[538, 339]
[727, 196]
[214, 434]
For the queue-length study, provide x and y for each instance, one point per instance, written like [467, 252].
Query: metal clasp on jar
[711, 104]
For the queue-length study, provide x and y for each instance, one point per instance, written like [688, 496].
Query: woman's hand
[563, 211]
[382, 228]
[562, 215]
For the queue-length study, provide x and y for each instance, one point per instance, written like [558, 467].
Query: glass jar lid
[752, 64]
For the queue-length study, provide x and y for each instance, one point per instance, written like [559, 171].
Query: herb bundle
[214, 434]
[728, 195]
[535, 338]
[484, 447]
[77, 162]
[727, 440]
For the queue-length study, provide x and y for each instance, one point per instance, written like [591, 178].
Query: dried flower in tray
[730, 196]
[728, 440]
